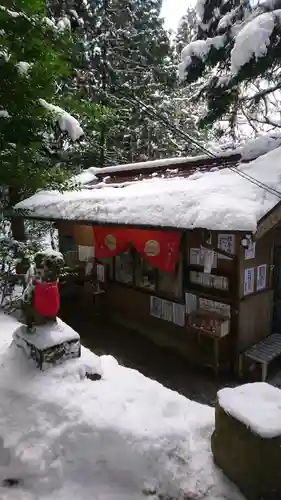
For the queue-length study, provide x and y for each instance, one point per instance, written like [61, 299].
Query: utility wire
[134, 100]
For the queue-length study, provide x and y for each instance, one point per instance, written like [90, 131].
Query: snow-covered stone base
[50, 344]
[246, 443]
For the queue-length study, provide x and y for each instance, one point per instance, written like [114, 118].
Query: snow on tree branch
[66, 122]
[238, 44]
[254, 39]
[199, 49]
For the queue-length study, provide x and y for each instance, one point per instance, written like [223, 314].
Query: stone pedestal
[251, 459]
[50, 344]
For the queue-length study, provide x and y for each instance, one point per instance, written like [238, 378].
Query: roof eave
[31, 216]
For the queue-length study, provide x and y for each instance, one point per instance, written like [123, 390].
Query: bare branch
[262, 93]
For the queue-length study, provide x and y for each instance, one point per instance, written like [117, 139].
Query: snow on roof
[217, 199]
[257, 405]
[259, 146]
[155, 164]
[89, 175]
[248, 151]
[121, 438]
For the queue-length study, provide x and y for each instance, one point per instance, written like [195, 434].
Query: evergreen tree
[31, 62]
[236, 59]
[35, 134]
[123, 52]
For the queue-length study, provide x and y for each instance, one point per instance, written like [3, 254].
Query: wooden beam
[269, 221]
[158, 227]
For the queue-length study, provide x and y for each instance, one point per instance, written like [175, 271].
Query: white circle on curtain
[152, 248]
[110, 242]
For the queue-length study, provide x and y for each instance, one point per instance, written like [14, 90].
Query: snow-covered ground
[120, 438]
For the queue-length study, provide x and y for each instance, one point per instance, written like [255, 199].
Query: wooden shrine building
[186, 251]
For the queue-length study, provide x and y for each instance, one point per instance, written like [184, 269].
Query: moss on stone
[249, 460]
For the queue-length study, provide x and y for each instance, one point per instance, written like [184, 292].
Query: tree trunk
[17, 223]
[17, 228]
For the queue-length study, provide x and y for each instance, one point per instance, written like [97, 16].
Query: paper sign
[250, 252]
[195, 256]
[226, 242]
[167, 310]
[198, 257]
[218, 307]
[88, 268]
[249, 278]
[100, 273]
[190, 303]
[209, 256]
[85, 253]
[178, 314]
[261, 277]
[156, 307]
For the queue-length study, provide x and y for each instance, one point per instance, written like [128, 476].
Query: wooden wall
[251, 314]
[131, 309]
[255, 316]
[84, 235]
[66, 228]
[255, 310]
[263, 255]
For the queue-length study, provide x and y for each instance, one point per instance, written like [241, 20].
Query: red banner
[161, 248]
[110, 242]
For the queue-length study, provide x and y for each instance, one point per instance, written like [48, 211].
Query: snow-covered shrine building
[186, 251]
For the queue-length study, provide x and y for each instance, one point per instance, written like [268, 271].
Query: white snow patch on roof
[253, 40]
[86, 177]
[67, 122]
[216, 200]
[257, 405]
[68, 437]
[164, 162]
[90, 174]
[260, 145]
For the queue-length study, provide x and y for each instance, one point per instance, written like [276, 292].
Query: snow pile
[216, 200]
[86, 177]
[124, 437]
[253, 40]
[67, 122]
[23, 68]
[257, 405]
[200, 49]
[259, 146]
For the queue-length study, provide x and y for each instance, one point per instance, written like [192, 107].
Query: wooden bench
[263, 352]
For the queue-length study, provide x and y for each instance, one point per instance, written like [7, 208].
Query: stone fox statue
[40, 300]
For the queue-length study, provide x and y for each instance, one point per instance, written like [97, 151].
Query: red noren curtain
[161, 248]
